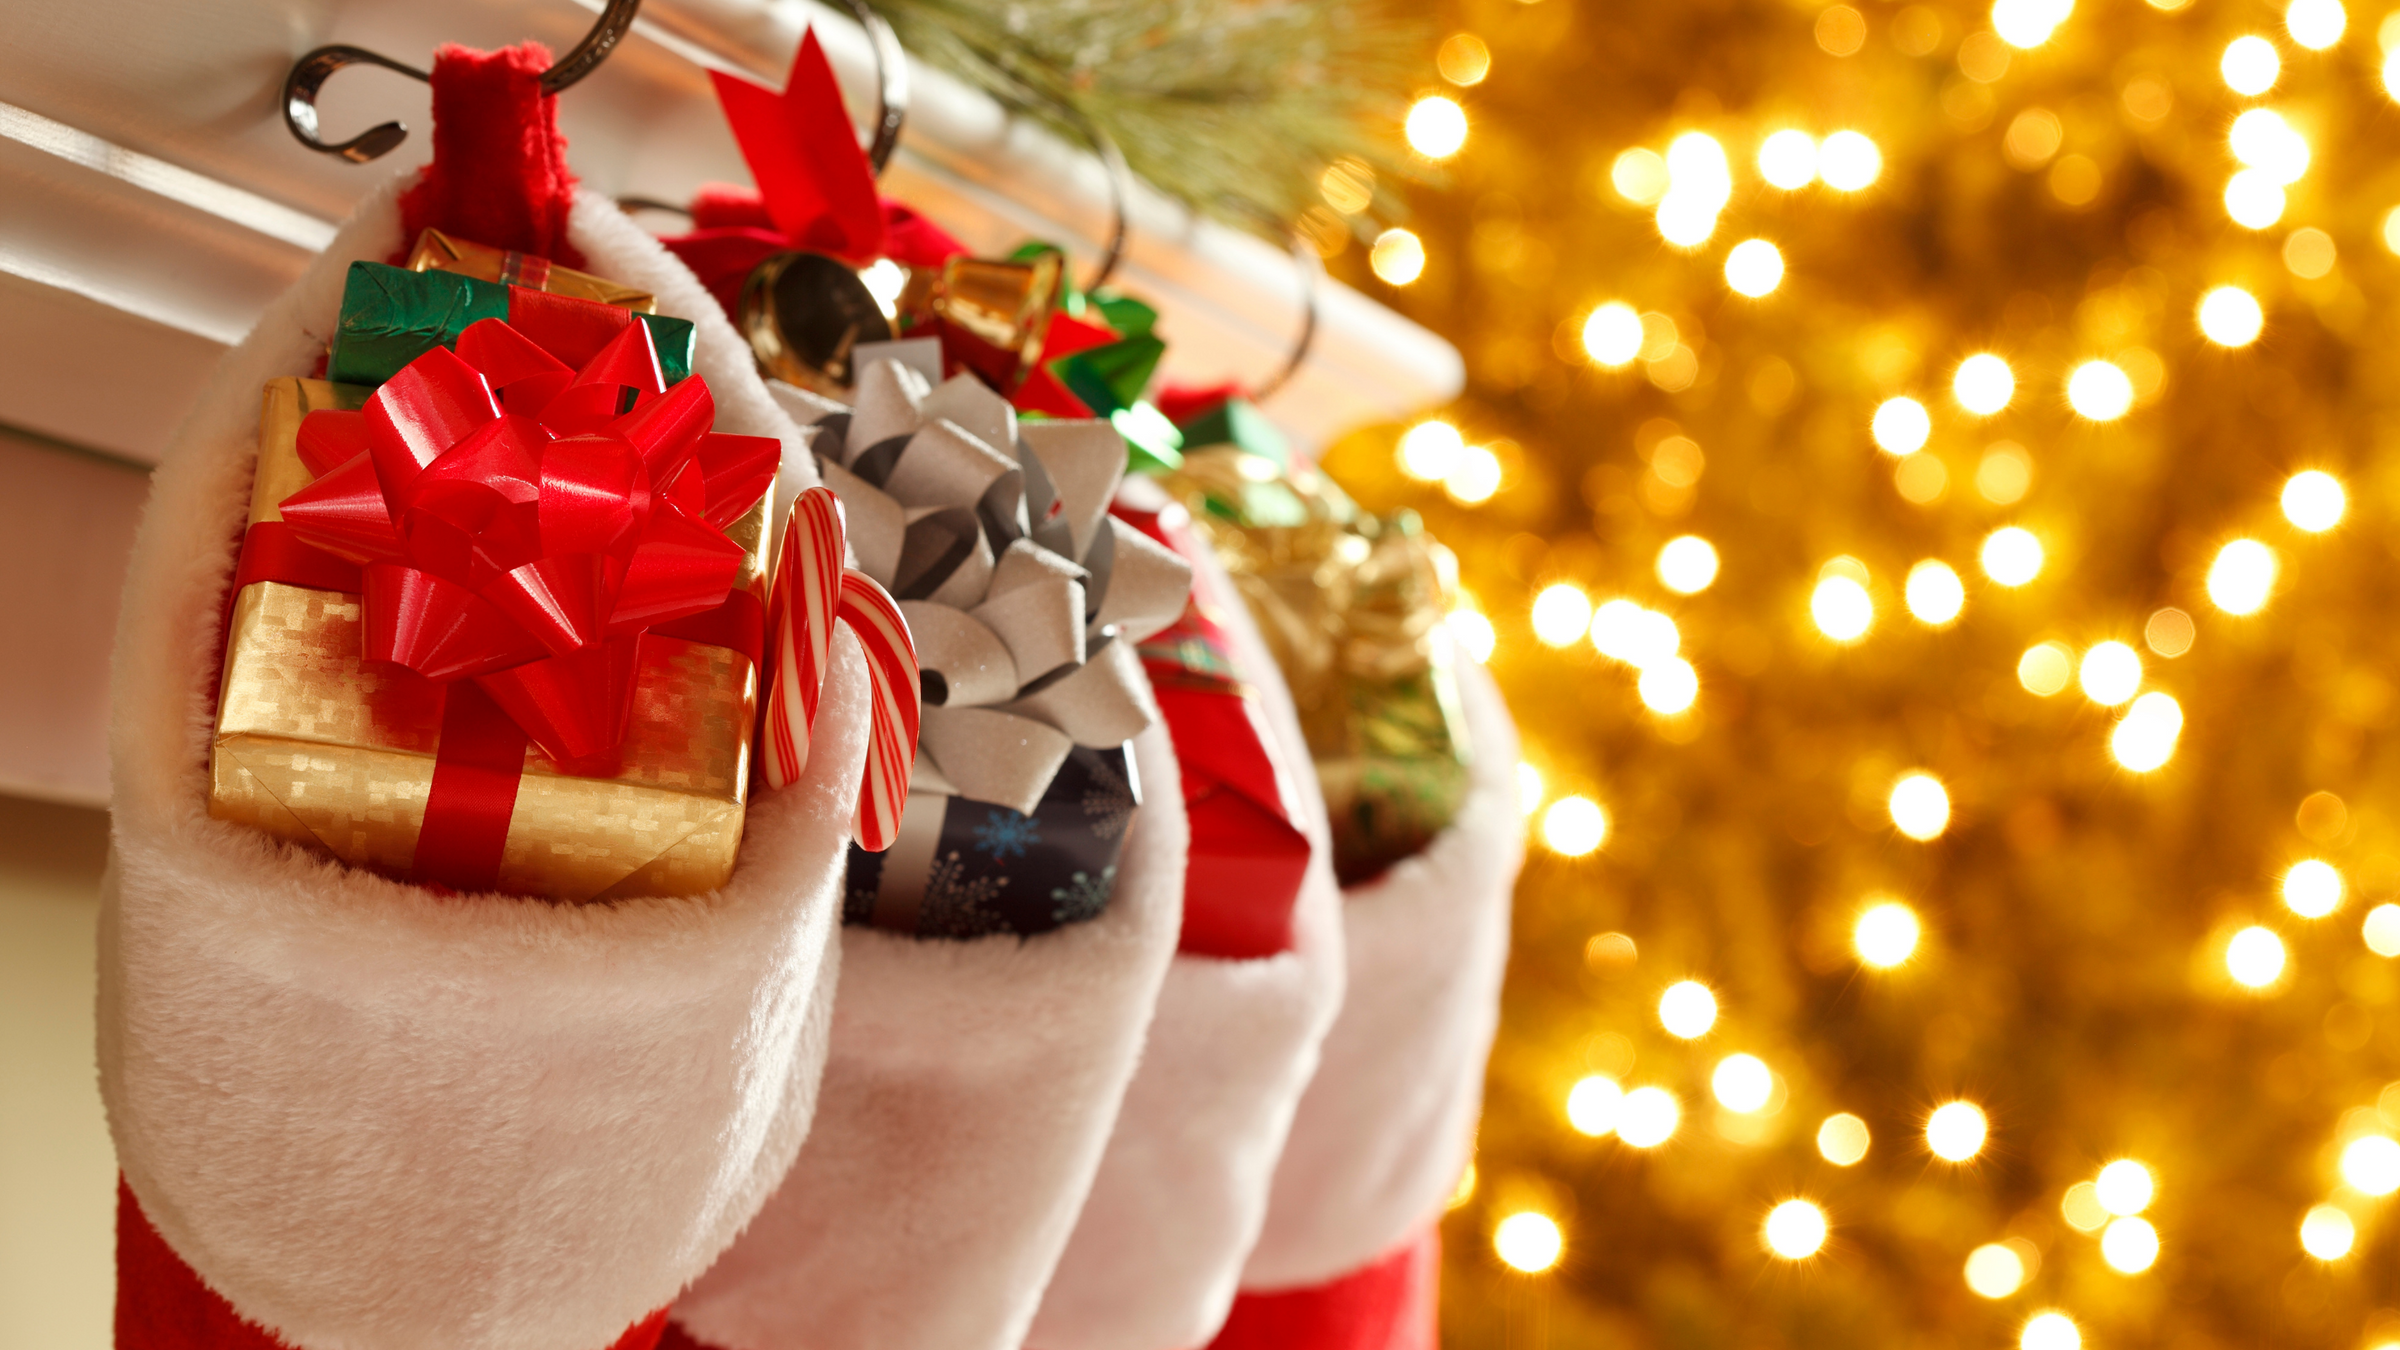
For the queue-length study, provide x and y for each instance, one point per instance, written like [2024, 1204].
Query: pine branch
[1233, 106]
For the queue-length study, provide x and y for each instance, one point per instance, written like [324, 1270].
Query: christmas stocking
[357, 1113]
[1001, 961]
[1347, 1258]
[1182, 1192]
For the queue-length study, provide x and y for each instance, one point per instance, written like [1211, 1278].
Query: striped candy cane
[812, 592]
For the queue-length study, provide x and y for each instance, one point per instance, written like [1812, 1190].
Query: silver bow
[1024, 596]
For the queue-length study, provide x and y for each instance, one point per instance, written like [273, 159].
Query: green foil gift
[1350, 604]
[391, 316]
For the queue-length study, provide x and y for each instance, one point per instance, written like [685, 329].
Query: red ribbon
[816, 190]
[513, 528]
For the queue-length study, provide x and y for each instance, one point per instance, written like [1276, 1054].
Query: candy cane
[812, 592]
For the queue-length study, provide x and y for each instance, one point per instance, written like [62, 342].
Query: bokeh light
[1669, 686]
[2327, 1233]
[1885, 934]
[1528, 1241]
[2230, 317]
[2050, 1331]
[1842, 1140]
[1593, 1104]
[2100, 390]
[1475, 477]
[2254, 957]
[2314, 501]
[2129, 1246]
[2264, 140]
[1788, 159]
[2241, 577]
[2381, 930]
[1956, 1130]
[1437, 126]
[1995, 1271]
[1648, 1117]
[2046, 668]
[1639, 176]
[2312, 889]
[1754, 267]
[1574, 826]
[2111, 673]
[1641, 638]
[1849, 162]
[1398, 256]
[1795, 1230]
[1473, 633]
[2145, 737]
[1464, 59]
[1841, 608]
[1687, 1009]
[2012, 556]
[2125, 1187]
[1561, 613]
[2081, 1208]
[1430, 450]
[1687, 564]
[1983, 384]
[1920, 806]
[1935, 594]
[2250, 65]
[1742, 1083]
[2371, 1164]
[1612, 336]
[2315, 24]
[2028, 23]
[2254, 199]
[1901, 426]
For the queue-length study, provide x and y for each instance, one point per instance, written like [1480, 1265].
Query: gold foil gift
[1348, 603]
[438, 252]
[315, 747]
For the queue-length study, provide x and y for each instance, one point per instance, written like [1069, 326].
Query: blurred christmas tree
[2014, 732]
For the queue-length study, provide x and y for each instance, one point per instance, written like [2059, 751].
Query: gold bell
[803, 314]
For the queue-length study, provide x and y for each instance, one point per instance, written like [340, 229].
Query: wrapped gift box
[316, 747]
[439, 252]
[391, 316]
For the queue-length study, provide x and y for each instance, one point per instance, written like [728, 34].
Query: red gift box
[1247, 852]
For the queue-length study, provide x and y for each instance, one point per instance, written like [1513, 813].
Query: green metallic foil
[1348, 602]
[391, 316]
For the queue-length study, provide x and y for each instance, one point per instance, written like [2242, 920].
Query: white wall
[57, 1171]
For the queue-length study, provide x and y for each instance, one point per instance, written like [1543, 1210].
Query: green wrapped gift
[1349, 603]
[391, 316]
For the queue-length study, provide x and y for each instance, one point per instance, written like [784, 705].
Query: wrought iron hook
[309, 73]
[1312, 279]
[891, 84]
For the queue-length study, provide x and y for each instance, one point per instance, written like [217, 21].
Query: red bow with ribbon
[521, 524]
[816, 191]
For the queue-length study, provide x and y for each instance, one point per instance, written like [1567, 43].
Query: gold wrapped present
[438, 252]
[318, 748]
[1348, 603]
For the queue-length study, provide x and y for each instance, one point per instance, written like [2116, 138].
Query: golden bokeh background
[1926, 484]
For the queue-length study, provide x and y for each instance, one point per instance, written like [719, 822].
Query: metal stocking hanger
[309, 73]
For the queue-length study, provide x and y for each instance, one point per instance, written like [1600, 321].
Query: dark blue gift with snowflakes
[964, 869]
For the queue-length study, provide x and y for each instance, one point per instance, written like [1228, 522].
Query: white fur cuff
[1158, 1252]
[1386, 1126]
[971, 1088]
[377, 1119]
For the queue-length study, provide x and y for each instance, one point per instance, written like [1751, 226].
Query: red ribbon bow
[521, 523]
[816, 190]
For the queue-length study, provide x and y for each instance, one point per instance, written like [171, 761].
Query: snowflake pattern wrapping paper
[1027, 601]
